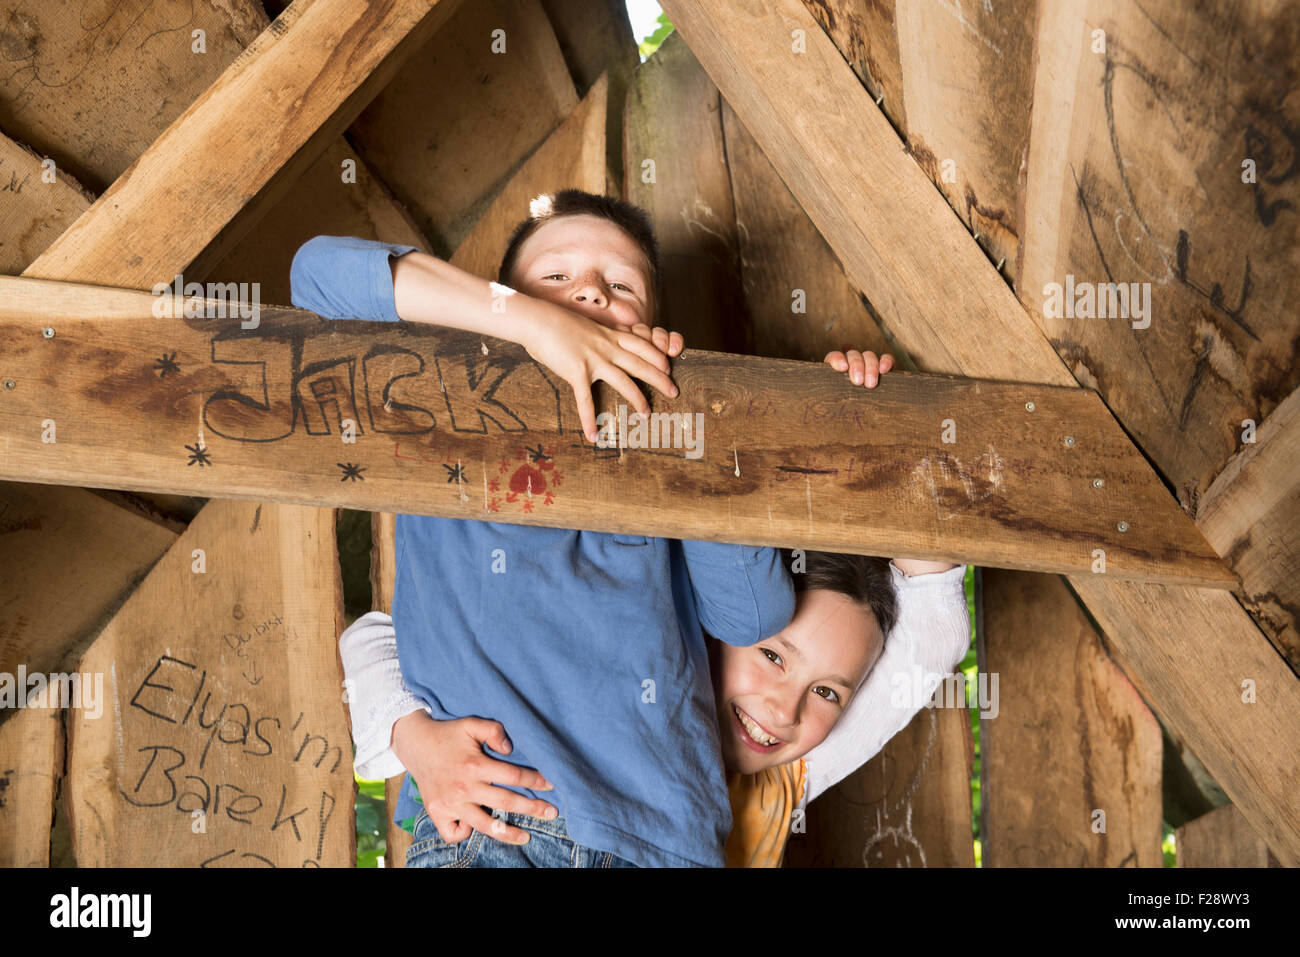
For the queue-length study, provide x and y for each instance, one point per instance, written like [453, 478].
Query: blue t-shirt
[587, 647]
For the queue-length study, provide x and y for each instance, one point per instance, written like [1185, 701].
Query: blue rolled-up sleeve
[743, 594]
[343, 277]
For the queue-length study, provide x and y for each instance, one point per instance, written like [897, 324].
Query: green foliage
[371, 822]
[651, 43]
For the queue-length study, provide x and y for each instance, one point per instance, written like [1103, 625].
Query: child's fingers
[490, 733]
[494, 827]
[886, 363]
[856, 366]
[675, 343]
[837, 361]
[871, 369]
[625, 387]
[647, 373]
[645, 349]
[586, 409]
[505, 800]
[451, 830]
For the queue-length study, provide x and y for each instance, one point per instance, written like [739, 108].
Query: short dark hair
[866, 580]
[633, 220]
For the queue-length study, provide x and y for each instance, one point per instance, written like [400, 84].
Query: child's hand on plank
[455, 777]
[582, 351]
[864, 368]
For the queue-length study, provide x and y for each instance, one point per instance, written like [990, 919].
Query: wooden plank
[233, 712]
[1201, 690]
[1071, 759]
[458, 118]
[800, 304]
[31, 765]
[91, 88]
[982, 58]
[865, 33]
[33, 212]
[70, 550]
[1251, 516]
[319, 203]
[909, 806]
[841, 159]
[267, 118]
[974, 340]
[1135, 175]
[676, 165]
[134, 402]
[573, 157]
[1221, 838]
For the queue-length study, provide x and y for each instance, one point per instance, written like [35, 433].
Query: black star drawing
[455, 473]
[537, 455]
[199, 455]
[165, 364]
[351, 472]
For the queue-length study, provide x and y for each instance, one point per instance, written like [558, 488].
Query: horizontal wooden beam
[783, 453]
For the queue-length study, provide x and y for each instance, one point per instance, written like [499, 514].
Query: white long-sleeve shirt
[930, 638]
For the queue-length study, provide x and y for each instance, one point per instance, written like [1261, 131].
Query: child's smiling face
[589, 265]
[778, 699]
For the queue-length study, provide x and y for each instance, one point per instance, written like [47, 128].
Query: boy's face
[778, 699]
[589, 265]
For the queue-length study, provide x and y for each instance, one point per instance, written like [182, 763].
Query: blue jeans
[548, 845]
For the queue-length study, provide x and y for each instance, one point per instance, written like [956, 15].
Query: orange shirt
[762, 806]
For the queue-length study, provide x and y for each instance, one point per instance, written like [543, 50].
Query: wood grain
[1071, 757]
[791, 453]
[33, 213]
[1221, 838]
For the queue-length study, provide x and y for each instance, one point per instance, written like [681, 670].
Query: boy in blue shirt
[589, 648]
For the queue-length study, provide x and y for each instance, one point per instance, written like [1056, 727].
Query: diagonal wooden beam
[272, 112]
[784, 453]
[902, 245]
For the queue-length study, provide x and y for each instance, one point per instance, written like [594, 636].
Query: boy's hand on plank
[582, 351]
[456, 779]
[669, 343]
[864, 368]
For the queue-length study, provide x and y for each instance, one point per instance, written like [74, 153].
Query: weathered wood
[272, 112]
[800, 304]
[596, 38]
[955, 334]
[909, 806]
[446, 133]
[676, 165]
[573, 157]
[1251, 516]
[1203, 690]
[91, 88]
[930, 284]
[233, 712]
[967, 72]
[1221, 838]
[209, 408]
[1135, 175]
[383, 577]
[866, 35]
[319, 203]
[70, 557]
[1071, 757]
[33, 212]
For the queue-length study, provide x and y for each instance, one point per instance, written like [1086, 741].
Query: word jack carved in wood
[99, 391]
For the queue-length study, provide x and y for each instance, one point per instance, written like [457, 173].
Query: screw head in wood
[48, 332]
[1029, 407]
[1122, 526]
[1098, 483]
[10, 383]
[1069, 441]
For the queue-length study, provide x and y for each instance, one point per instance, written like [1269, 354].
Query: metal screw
[1029, 407]
[879, 98]
[1000, 263]
[48, 332]
[1098, 483]
[1069, 441]
[1122, 526]
[10, 383]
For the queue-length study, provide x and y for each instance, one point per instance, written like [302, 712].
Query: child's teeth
[755, 732]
